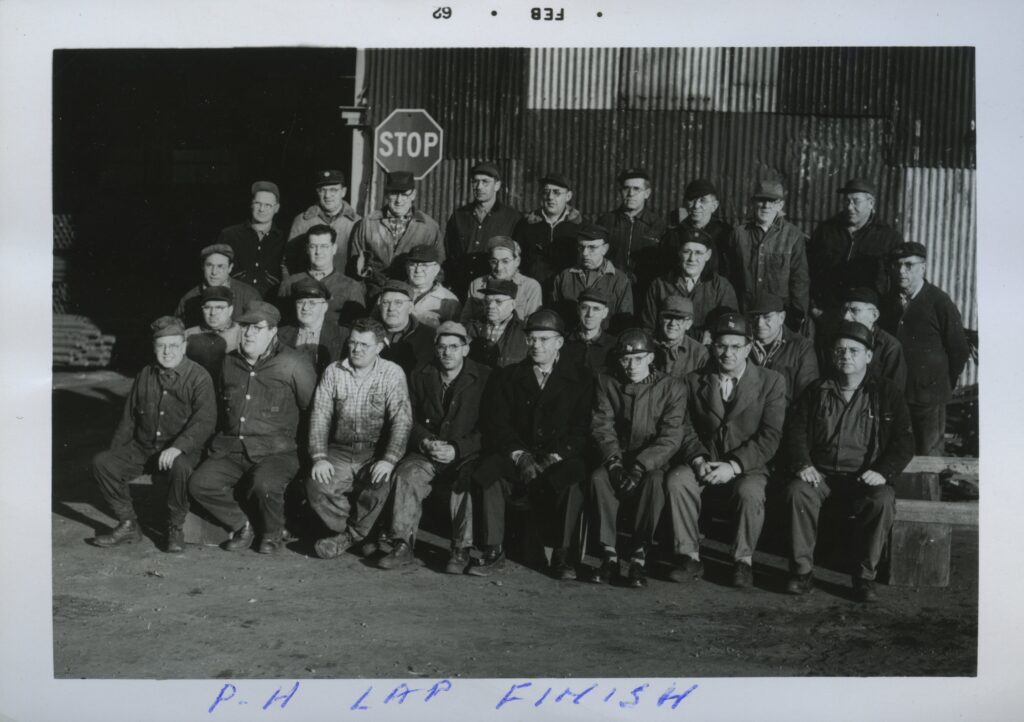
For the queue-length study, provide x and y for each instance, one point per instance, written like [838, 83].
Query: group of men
[592, 372]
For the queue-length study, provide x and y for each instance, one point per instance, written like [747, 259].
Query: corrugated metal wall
[573, 78]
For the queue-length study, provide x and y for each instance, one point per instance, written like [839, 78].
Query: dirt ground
[136, 612]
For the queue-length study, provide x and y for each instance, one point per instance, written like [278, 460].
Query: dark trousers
[114, 468]
[929, 423]
[643, 506]
[873, 509]
[213, 486]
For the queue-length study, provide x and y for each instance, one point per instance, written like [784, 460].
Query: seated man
[849, 437]
[537, 428]
[358, 430]
[407, 342]
[314, 336]
[505, 257]
[170, 413]
[218, 335]
[778, 347]
[265, 388]
[218, 261]
[346, 301]
[445, 441]
[675, 352]
[498, 340]
[433, 304]
[737, 411]
[637, 426]
[588, 343]
[887, 359]
[593, 270]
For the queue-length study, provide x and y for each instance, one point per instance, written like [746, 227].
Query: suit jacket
[459, 424]
[331, 346]
[749, 431]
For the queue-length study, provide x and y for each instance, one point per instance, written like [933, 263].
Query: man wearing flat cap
[471, 226]
[847, 439]
[928, 325]
[887, 360]
[170, 413]
[265, 389]
[737, 411]
[768, 254]
[217, 263]
[389, 234]
[588, 344]
[218, 335]
[676, 353]
[775, 346]
[505, 258]
[258, 243]
[498, 340]
[698, 220]
[313, 334]
[536, 432]
[547, 234]
[593, 270]
[345, 301]
[635, 230]
[434, 304]
[637, 426]
[407, 342]
[331, 209]
[444, 445]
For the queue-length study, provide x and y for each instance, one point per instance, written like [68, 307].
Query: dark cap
[859, 185]
[329, 178]
[268, 186]
[556, 179]
[452, 328]
[633, 340]
[591, 232]
[499, 287]
[218, 293]
[545, 320]
[765, 302]
[856, 331]
[503, 242]
[731, 324]
[768, 190]
[396, 286]
[686, 234]
[676, 306]
[595, 295]
[167, 326]
[423, 254]
[310, 288]
[633, 173]
[399, 182]
[905, 250]
[485, 169]
[260, 311]
[222, 248]
[862, 295]
[698, 188]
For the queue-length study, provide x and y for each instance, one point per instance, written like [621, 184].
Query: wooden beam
[958, 465]
[961, 513]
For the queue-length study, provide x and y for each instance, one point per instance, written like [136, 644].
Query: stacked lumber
[79, 343]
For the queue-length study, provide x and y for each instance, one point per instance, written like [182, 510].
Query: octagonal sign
[408, 140]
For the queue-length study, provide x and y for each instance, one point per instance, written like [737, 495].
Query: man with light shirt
[347, 301]
[505, 257]
[217, 263]
[593, 271]
[588, 344]
[218, 335]
[331, 209]
[675, 352]
[258, 243]
[547, 234]
[313, 334]
[498, 340]
[777, 347]
[433, 304]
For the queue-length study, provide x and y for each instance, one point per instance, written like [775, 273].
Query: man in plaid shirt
[358, 431]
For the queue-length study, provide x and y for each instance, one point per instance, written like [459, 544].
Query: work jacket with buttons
[458, 423]
[776, 264]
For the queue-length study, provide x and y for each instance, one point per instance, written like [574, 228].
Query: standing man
[265, 389]
[887, 360]
[588, 344]
[346, 301]
[433, 304]
[170, 413]
[218, 335]
[407, 342]
[848, 438]
[635, 230]
[769, 254]
[779, 348]
[314, 335]
[387, 235]
[471, 226]
[499, 339]
[358, 430]
[443, 446]
[637, 426]
[700, 198]
[537, 432]
[547, 235]
[737, 410]
[505, 259]
[259, 243]
[928, 325]
[218, 261]
[593, 270]
[331, 209]
[676, 353]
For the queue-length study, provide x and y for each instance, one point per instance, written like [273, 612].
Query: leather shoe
[241, 539]
[561, 569]
[864, 590]
[400, 556]
[458, 559]
[490, 561]
[636, 577]
[271, 543]
[334, 546]
[175, 540]
[800, 584]
[685, 568]
[608, 572]
[126, 532]
[742, 575]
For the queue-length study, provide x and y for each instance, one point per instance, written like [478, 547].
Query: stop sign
[408, 140]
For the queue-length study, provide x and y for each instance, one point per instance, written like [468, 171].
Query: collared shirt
[395, 225]
[351, 409]
[308, 336]
[727, 384]
[494, 331]
[763, 354]
[843, 429]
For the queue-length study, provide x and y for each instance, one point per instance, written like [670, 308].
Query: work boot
[492, 560]
[457, 561]
[799, 584]
[175, 540]
[636, 577]
[333, 546]
[608, 572]
[742, 575]
[685, 568]
[126, 532]
[241, 539]
[400, 556]
[271, 543]
[561, 569]
[864, 590]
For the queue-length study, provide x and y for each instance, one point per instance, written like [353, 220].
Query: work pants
[643, 505]
[331, 501]
[213, 486]
[114, 468]
[929, 424]
[412, 479]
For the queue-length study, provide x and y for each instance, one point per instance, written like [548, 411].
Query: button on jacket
[838, 259]
[257, 260]
[453, 417]
[296, 258]
[774, 261]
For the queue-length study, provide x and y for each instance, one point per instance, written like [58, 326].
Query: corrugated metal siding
[729, 79]
[573, 78]
[838, 81]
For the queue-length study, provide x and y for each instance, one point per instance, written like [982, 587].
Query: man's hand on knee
[323, 472]
[380, 472]
[167, 457]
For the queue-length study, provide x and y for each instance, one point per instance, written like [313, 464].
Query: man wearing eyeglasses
[887, 359]
[407, 342]
[675, 352]
[505, 259]
[635, 230]
[928, 325]
[847, 439]
[547, 234]
[588, 344]
[265, 388]
[389, 234]
[593, 270]
[346, 300]
[313, 334]
[259, 243]
[218, 335]
[443, 445]
[777, 347]
[331, 209]
[700, 219]
[218, 260]
[434, 304]
[498, 340]
[737, 410]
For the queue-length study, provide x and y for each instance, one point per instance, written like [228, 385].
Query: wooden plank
[962, 513]
[957, 465]
[920, 554]
[918, 485]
